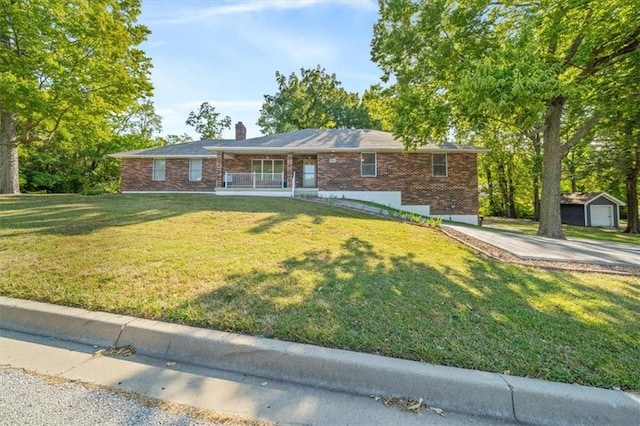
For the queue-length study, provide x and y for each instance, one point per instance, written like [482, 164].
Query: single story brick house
[590, 209]
[369, 165]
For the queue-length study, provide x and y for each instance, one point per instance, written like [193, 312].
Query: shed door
[601, 215]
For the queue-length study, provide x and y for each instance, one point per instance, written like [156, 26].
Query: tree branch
[580, 133]
[573, 49]
[631, 43]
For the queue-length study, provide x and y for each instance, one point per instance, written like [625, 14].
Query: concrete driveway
[571, 250]
[528, 247]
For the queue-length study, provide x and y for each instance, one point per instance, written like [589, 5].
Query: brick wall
[136, 175]
[409, 173]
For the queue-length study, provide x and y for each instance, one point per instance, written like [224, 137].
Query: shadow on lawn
[72, 214]
[500, 317]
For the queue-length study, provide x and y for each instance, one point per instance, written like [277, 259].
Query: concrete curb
[453, 389]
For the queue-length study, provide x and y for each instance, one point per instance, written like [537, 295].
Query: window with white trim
[195, 169]
[368, 164]
[440, 165]
[269, 167]
[159, 167]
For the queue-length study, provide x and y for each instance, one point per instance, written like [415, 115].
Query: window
[267, 166]
[440, 164]
[195, 169]
[368, 166]
[159, 167]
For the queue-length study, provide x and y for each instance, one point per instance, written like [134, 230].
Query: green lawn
[314, 273]
[529, 227]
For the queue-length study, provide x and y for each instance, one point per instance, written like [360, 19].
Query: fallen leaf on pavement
[437, 410]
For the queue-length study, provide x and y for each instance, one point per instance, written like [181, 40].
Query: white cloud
[293, 46]
[255, 6]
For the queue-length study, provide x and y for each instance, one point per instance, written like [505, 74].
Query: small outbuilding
[590, 209]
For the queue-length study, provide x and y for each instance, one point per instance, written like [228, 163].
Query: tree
[76, 160]
[173, 139]
[207, 123]
[535, 65]
[315, 100]
[632, 173]
[506, 168]
[378, 102]
[617, 167]
[61, 61]
[622, 144]
[139, 119]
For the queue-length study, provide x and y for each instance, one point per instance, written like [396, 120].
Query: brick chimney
[241, 131]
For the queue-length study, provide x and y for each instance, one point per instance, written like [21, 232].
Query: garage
[590, 209]
[602, 215]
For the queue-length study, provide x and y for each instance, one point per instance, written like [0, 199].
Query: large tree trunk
[633, 219]
[9, 175]
[553, 151]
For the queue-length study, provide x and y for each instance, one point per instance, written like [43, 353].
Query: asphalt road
[28, 399]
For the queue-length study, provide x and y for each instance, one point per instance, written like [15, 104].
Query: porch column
[220, 169]
[289, 170]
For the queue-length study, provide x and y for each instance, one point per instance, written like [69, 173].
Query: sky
[227, 52]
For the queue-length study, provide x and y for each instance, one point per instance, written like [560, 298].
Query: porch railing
[254, 180]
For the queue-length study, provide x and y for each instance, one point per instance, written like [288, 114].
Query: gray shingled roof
[303, 141]
[187, 149]
[581, 198]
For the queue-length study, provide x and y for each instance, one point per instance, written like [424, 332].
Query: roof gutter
[285, 150]
[213, 155]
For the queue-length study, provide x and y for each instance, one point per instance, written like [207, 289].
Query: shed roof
[581, 198]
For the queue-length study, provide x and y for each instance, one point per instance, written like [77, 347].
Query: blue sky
[227, 52]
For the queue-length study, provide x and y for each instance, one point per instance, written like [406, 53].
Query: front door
[309, 174]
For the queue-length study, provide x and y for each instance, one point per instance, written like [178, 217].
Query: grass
[314, 273]
[529, 227]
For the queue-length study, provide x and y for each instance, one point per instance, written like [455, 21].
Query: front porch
[266, 174]
[255, 180]
[263, 185]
